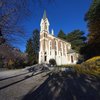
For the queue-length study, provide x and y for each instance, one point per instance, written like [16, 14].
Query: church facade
[52, 47]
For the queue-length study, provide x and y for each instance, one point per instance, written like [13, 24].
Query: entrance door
[45, 59]
[72, 59]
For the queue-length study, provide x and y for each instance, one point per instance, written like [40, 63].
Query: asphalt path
[48, 85]
[15, 84]
[67, 86]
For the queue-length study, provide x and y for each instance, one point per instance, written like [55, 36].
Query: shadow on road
[67, 86]
[13, 76]
[25, 77]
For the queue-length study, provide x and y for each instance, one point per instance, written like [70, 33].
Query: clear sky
[67, 15]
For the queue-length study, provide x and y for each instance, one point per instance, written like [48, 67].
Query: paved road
[15, 84]
[67, 86]
[22, 85]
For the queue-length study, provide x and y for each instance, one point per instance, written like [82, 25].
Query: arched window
[61, 47]
[56, 47]
[64, 49]
[50, 47]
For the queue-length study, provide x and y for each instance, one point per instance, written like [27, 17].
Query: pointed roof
[71, 51]
[44, 15]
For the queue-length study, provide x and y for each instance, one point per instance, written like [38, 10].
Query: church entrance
[72, 59]
[45, 56]
[45, 59]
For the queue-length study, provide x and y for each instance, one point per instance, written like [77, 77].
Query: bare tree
[11, 11]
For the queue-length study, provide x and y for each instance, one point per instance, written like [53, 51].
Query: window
[45, 35]
[50, 47]
[55, 45]
[65, 49]
[50, 52]
[45, 26]
[72, 59]
[55, 52]
[61, 48]
[61, 53]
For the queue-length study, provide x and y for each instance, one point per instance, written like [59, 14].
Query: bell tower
[44, 31]
[44, 25]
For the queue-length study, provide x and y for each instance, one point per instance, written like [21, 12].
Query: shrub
[52, 62]
[1, 63]
[10, 64]
[19, 63]
[92, 63]
[90, 67]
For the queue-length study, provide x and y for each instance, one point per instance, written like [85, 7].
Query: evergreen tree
[30, 51]
[92, 18]
[61, 35]
[32, 48]
[77, 39]
[36, 42]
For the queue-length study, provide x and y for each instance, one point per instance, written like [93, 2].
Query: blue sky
[67, 15]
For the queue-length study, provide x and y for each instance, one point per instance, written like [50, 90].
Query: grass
[79, 69]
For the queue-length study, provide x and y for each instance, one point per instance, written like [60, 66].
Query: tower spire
[44, 15]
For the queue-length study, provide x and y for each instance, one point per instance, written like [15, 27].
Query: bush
[52, 62]
[69, 65]
[91, 66]
[19, 63]
[1, 63]
[92, 63]
[76, 67]
[10, 64]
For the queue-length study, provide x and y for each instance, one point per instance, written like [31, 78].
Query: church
[52, 47]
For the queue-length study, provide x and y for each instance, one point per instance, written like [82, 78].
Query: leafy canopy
[92, 18]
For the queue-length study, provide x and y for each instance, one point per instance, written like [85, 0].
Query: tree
[52, 62]
[30, 51]
[32, 48]
[12, 12]
[61, 34]
[77, 39]
[92, 18]
[1, 62]
[36, 44]
[2, 40]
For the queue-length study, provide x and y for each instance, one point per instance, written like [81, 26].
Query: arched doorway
[45, 57]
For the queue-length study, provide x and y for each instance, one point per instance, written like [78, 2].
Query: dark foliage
[12, 57]
[52, 62]
[92, 18]
[61, 35]
[77, 39]
[1, 62]
[32, 48]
